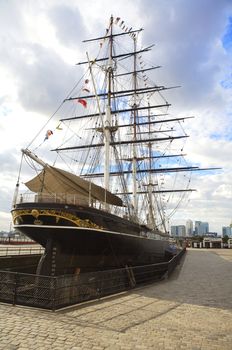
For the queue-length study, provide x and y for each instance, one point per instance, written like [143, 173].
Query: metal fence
[16, 240]
[22, 250]
[56, 292]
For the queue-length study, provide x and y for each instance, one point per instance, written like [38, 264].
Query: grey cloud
[41, 75]
[8, 175]
[42, 80]
[11, 20]
[68, 24]
[186, 34]
[9, 162]
[46, 81]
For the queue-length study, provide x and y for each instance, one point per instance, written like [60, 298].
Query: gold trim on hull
[18, 214]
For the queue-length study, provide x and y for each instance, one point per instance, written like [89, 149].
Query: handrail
[9, 251]
[16, 240]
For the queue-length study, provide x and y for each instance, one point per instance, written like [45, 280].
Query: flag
[117, 20]
[86, 87]
[48, 133]
[83, 102]
[59, 127]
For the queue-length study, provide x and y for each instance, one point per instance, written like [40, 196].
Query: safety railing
[16, 240]
[57, 292]
[22, 250]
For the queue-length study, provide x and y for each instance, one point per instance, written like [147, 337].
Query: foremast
[108, 120]
[108, 127]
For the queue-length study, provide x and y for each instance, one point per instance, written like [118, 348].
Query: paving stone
[191, 310]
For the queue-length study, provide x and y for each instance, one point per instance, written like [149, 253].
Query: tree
[225, 239]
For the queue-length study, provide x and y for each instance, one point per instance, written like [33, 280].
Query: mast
[108, 119]
[134, 155]
[151, 220]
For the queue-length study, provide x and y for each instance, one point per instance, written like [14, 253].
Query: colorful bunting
[123, 26]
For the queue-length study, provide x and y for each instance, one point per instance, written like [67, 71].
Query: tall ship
[98, 200]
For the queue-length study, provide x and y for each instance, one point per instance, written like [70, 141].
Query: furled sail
[55, 180]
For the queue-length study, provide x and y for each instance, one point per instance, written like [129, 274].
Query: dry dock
[190, 310]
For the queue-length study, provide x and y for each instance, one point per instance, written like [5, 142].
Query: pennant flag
[59, 127]
[48, 133]
[117, 20]
[83, 102]
[86, 87]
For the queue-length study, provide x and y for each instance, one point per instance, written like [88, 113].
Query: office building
[189, 228]
[226, 231]
[178, 231]
[201, 228]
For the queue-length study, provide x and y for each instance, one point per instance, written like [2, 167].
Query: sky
[41, 41]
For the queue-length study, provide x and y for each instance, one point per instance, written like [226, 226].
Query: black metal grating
[53, 293]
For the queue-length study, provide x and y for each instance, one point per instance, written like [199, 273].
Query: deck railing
[70, 199]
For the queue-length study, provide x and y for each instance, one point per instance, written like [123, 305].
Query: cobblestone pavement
[190, 310]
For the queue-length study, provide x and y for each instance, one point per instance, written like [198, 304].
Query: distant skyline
[41, 41]
[184, 223]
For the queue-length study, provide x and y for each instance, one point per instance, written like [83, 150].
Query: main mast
[108, 118]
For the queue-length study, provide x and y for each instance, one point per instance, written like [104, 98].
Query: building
[178, 231]
[189, 228]
[226, 231]
[212, 242]
[229, 243]
[201, 228]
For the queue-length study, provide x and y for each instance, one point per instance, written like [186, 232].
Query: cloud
[40, 47]
[188, 46]
[68, 24]
[40, 74]
[48, 79]
[41, 77]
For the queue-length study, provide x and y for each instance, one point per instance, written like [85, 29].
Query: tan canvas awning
[55, 180]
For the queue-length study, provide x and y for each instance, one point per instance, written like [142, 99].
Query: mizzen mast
[135, 117]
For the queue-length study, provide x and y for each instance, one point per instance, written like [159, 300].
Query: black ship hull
[106, 242]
